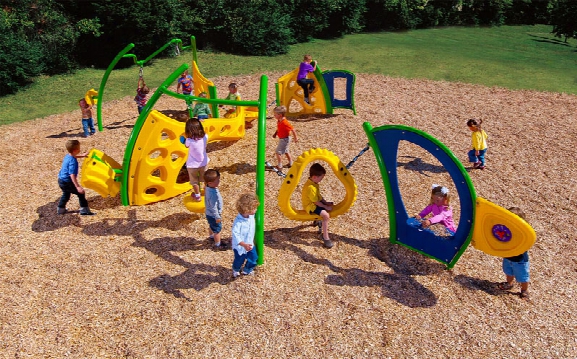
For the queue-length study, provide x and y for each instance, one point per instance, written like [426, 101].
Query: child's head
[232, 87]
[247, 204]
[317, 172]
[145, 89]
[184, 73]
[194, 129]
[518, 211]
[82, 102]
[202, 94]
[440, 195]
[72, 145]
[307, 58]
[279, 112]
[474, 124]
[212, 178]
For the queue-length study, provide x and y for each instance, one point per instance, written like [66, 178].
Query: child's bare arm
[294, 135]
[76, 184]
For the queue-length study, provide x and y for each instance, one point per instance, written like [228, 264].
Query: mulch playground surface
[143, 282]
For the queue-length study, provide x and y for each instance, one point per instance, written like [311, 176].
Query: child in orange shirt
[284, 129]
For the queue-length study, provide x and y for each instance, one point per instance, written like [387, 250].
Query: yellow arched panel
[289, 90]
[498, 232]
[293, 178]
[98, 173]
[201, 83]
[156, 161]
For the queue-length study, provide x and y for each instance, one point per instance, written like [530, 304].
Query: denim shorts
[214, 227]
[520, 270]
[317, 210]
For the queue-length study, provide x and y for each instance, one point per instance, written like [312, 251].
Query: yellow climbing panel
[98, 173]
[498, 232]
[293, 178]
[156, 161]
[289, 90]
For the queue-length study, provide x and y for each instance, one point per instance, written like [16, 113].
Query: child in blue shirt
[243, 229]
[68, 179]
[213, 207]
[517, 267]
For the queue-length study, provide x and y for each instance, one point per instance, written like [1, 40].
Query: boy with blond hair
[283, 130]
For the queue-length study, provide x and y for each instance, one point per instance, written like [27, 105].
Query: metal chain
[357, 156]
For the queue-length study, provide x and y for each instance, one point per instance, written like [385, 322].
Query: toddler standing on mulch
[213, 207]
[87, 120]
[517, 267]
[283, 131]
[68, 179]
[313, 202]
[479, 143]
[243, 229]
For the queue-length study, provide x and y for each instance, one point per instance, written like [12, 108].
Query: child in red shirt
[284, 129]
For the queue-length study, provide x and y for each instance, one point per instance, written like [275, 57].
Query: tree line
[58, 36]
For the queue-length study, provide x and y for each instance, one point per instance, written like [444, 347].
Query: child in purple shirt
[307, 84]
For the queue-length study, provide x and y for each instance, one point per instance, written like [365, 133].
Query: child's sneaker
[220, 247]
[60, 210]
[328, 243]
[235, 274]
[248, 273]
[306, 99]
[196, 197]
[85, 211]
[476, 164]
[481, 167]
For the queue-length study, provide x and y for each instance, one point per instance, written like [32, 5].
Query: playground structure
[154, 157]
[323, 99]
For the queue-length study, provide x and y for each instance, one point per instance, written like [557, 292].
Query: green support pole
[103, 83]
[260, 167]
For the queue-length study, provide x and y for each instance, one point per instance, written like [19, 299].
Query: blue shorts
[202, 117]
[520, 270]
[317, 210]
[214, 227]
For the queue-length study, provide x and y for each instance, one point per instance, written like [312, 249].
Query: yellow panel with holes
[289, 91]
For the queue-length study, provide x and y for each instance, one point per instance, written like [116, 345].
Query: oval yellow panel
[499, 232]
[293, 177]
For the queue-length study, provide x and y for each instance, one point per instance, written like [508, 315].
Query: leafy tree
[564, 18]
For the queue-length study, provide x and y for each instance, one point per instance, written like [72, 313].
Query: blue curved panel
[348, 102]
[385, 143]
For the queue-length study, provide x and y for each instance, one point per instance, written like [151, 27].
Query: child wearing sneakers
[196, 140]
[479, 143]
[243, 229]
[517, 267]
[313, 202]
[307, 84]
[213, 207]
[68, 179]
[283, 131]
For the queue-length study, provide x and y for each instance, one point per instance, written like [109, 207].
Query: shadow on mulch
[399, 286]
[237, 168]
[309, 118]
[118, 124]
[416, 164]
[486, 286]
[70, 133]
[48, 220]
[195, 277]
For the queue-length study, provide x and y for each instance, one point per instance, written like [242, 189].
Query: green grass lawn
[515, 57]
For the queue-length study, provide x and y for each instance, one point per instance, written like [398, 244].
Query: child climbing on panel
[201, 110]
[517, 267]
[142, 92]
[196, 140]
[478, 142]
[313, 202]
[439, 210]
[307, 84]
[243, 229]
[284, 130]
